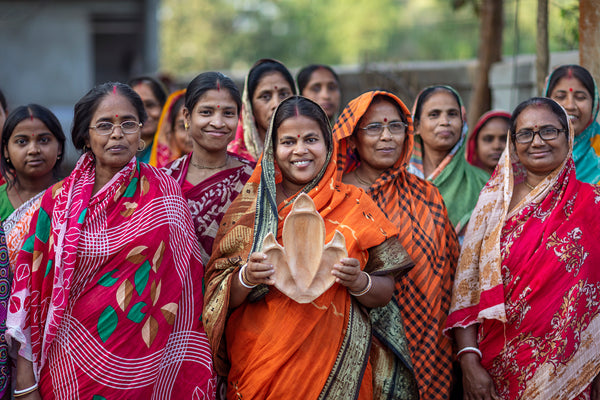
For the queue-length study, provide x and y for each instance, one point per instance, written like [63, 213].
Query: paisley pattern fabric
[529, 276]
[106, 300]
[5, 364]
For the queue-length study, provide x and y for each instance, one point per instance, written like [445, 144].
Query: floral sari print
[529, 276]
[106, 300]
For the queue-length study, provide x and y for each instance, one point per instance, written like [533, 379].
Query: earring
[142, 145]
[186, 126]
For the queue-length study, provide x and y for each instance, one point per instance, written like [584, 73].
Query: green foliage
[198, 35]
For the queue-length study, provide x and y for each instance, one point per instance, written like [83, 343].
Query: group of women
[442, 265]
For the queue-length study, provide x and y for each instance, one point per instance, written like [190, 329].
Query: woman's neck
[24, 188]
[210, 159]
[431, 159]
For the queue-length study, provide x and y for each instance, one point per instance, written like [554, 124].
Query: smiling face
[324, 89]
[382, 151]
[213, 121]
[153, 109]
[570, 93]
[491, 142]
[300, 151]
[540, 157]
[114, 151]
[32, 149]
[440, 122]
[271, 90]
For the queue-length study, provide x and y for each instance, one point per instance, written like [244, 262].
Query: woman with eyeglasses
[375, 137]
[574, 88]
[105, 301]
[439, 152]
[525, 305]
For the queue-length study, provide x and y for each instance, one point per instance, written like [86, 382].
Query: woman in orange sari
[267, 344]
[375, 136]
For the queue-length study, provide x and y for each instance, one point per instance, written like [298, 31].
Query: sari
[266, 344]
[586, 146]
[422, 295]
[459, 182]
[5, 363]
[529, 276]
[6, 207]
[16, 226]
[163, 151]
[105, 300]
[471, 151]
[209, 200]
[247, 142]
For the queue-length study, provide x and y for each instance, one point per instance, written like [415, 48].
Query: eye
[129, 125]
[332, 87]
[559, 96]
[487, 139]
[312, 140]
[315, 88]
[433, 114]
[284, 94]
[44, 139]
[453, 113]
[581, 97]
[205, 112]
[287, 142]
[20, 141]
[230, 114]
[265, 97]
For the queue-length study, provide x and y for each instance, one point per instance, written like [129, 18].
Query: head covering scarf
[163, 149]
[272, 339]
[416, 207]
[247, 142]
[586, 146]
[471, 153]
[105, 288]
[458, 182]
[530, 277]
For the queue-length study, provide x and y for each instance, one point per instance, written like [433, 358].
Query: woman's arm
[370, 290]
[596, 388]
[254, 273]
[477, 383]
[26, 379]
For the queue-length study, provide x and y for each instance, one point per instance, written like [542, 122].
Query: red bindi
[275, 87]
[535, 126]
[570, 89]
[114, 89]
[116, 115]
[298, 136]
[385, 120]
[218, 106]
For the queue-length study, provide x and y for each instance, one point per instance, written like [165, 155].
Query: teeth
[572, 117]
[300, 163]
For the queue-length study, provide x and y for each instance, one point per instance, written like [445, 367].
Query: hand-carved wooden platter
[303, 265]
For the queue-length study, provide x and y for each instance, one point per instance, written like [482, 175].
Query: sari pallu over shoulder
[333, 332]
[422, 296]
[132, 246]
[529, 277]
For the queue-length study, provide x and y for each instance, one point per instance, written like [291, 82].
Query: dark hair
[296, 105]
[158, 88]
[305, 73]
[426, 94]
[211, 81]
[265, 67]
[3, 103]
[576, 71]
[87, 105]
[546, 102]
[380, 98]
[175, 107]
[20, 114]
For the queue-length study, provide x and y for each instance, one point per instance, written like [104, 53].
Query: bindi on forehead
[276, 87]
[116, 115]
[114, 89]
[570, 89]
[385, 120]
[218, 106]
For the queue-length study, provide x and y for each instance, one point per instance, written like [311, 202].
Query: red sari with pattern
[106, 298]
[529, 276]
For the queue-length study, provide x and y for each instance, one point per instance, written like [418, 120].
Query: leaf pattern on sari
[145, 185]
[155, 291]
[129, 209]
[568, 250]
[142, 275]
[135, 314]
[56, 189]
[158, 256]
[107, 280]
[149, 331]
[119, 192]
[135, 256]
[124, 293]
[169, 311]
[107, 323]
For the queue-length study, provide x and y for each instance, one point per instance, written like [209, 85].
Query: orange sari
[271, 346]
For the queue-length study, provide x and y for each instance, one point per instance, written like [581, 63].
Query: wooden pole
[541, 46]
[589, 36]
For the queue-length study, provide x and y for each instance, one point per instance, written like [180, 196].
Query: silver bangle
[241, 278]
[366, 289]
[469, 349]
[23, 392]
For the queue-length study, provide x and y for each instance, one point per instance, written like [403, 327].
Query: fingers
[257, 271]
[348, 273]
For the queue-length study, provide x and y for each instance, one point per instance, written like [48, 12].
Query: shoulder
[174, 166]
[156, 177]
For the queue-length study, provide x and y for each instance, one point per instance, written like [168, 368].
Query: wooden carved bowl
[303, 265]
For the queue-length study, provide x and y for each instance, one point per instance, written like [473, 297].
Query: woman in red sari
[526, 301]
[210, 176]
[105, 301]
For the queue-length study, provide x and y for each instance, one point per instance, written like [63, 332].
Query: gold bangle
[366, 289]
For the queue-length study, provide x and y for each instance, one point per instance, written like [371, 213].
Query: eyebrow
[124, 117]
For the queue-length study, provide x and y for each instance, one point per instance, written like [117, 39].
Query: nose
[217, 120]
[34, 147]
[537, 140]
[445, 119]
[385, 134]
[569, 102]
[299, 148]
[117, 132]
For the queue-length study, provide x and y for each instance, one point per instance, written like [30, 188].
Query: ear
[186, 115]
[416, 127]
[352, 143]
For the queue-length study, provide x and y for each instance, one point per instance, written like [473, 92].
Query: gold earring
[142, 144]
[186, 126]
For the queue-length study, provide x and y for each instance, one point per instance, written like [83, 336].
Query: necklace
[18, 195]
[528, 185]
[361, 180]
[287, 195]
[208, 166]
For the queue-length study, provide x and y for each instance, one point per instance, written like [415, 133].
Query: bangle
[24, 392]
[242, 276]
[469, 350]
[366, 289]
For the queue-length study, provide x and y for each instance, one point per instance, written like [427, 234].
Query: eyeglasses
[107, 128]
[376, 128]
[548, 133]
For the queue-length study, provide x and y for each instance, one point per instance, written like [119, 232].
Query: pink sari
[106, 300]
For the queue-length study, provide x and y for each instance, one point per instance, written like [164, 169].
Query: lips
[35, 162]
[300, 163]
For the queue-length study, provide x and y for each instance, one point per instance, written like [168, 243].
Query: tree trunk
[541, 46]
[490, 51]
[589, 36]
